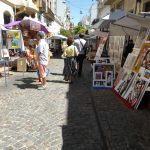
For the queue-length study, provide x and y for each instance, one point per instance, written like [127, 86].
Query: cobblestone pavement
[67, 117]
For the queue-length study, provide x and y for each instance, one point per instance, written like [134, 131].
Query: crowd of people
[73, 54]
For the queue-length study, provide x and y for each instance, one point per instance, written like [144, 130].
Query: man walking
[42, 57]
[80, 44]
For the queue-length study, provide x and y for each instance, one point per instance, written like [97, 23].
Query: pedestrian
[70, 54]
[80, 43]
[42, 57]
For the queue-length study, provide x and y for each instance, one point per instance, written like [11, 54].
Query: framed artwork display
[103, 75]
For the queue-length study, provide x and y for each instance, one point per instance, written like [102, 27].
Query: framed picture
[136, 91]
[146, 60]
[98, 76]
[125, 83]
[97, 67]
[103, 75]
[143, 59]
[109, 78]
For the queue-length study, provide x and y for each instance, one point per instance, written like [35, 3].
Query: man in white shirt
[42, 57]
[80, 44]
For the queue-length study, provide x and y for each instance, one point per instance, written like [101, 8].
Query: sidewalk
[67, 116]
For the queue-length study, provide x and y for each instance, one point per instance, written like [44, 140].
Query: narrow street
[67, 116]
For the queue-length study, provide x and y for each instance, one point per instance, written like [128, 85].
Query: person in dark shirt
[129, 48]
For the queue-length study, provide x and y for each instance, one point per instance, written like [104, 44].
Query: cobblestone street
[67, 116]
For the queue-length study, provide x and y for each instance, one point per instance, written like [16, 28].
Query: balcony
[42, 6]
[22, 6]
[49, 14]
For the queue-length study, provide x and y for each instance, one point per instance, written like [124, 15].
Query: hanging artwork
[16, 35]
[15, 40]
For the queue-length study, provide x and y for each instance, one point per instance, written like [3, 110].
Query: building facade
[133, 6]
[93, 12]
[102, 9]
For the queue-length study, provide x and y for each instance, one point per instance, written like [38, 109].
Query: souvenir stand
[133, 79]
[9, 40]
[29, 28]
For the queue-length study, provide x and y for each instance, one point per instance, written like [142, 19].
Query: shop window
[7, 17]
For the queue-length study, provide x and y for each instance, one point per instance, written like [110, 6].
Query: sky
[79, 5]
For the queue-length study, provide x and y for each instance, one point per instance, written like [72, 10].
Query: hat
[41, 34]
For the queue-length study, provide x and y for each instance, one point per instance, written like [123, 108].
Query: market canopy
[11, 24]
[130, 24]
[99, 33]
[105, 21]
[59, 37]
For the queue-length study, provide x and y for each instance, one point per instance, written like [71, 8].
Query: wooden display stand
[21, 65]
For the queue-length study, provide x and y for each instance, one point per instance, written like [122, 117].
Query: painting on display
[116, 46]
[13, 40]
[103, 75]
[16, 35]
[125, 83]
[100, 48]
[142, 59]
[136, 91]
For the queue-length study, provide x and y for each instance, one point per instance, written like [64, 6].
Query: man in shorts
[42, 57]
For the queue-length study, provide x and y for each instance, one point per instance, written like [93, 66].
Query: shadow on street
[81, 131]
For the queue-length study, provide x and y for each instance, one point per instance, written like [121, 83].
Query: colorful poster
[125, 83]
[103, 75]
[136, 91]
[9, 34]
[141, 59]
[16, 35]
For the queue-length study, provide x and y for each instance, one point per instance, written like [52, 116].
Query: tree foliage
[66, 33]
[79, 29]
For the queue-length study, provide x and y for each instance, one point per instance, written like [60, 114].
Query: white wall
[104, 11]
[4, 7]
[55, 28]
[93, 12]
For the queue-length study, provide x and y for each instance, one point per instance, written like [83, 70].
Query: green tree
[66, 33]
[79, 29]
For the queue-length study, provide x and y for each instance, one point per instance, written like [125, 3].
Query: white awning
[129, 25]
[105, 21]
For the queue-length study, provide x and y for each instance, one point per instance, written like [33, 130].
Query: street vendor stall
[29, 28]
[133, 80]
[11, 43]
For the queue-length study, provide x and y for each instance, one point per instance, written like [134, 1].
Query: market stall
[29, 28]
[133, 80]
